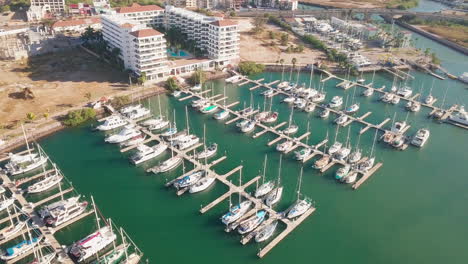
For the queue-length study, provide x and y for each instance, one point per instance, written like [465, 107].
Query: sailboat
[47, 182]
[237, 211]
[252, 222]
[21, 248]
[208, 151]
[356, 155]
[189, 180]
[224, 113]
[336, 145]
[301, 205]
[274, 196]
[367, 165]
[292, 128]
[172, 128]
[13, 228]
[266, 232]
[266, 187]
[430, 98]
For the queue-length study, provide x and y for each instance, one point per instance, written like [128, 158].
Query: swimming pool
[181, 53]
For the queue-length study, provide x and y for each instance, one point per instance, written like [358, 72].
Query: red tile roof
[224, 23]
[127, 25]
[77, 22]
[134, 8]
[143, 33]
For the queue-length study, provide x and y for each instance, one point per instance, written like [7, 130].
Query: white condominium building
[151, 15]
[223, 41]
[143, 49]
[54, 6]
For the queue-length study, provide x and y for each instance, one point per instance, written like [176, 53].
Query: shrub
[77, 117]
[197, 77]
[120, 101]
[171, 84]
[250, 67]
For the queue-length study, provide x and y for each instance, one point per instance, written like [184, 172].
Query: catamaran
[266, 232]
[252, 222]
[145, 153]
[126, 133]
[20, 249]
[62, 211]
[46, 183]
[92, 244]
[189, 180]
[301, 205]
[112, 122]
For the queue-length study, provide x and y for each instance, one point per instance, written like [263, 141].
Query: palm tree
[281, 61]
[294, 61]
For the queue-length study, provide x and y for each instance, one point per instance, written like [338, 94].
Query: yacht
[209, 109]
[92, 244]
[335, 147]
[62, 211]
[266, 232]
[299, 208]
[167, 165]
[145, 153]
[303, 153]
[271, 117]
[20, 164]
[405, 91]
[189, 180]
[421, 137]
[289, 99]
[342, 153]
[336, 101]
[290, 129]
[310, 107]
[274, 196]
[342, 172]
[351, 177]
[268, 93]
[460, 117]
[236, 212]
[196, 87]
[429, 99]
[46, 183]
[399, 127]
[20, 249]
[11, 230]
[352, 109]
[395, 100]
[366, 165]
[160, 125]
[252, 222]
[129, 108]
[208, 152]
[202, 184]
[341, 120]
[223, 114]
[325, 113]
[134, 141]
[355, 156]
[282, 147]
[319, 97]
[387, 98]
[126, 133]
[249, 127]
[6, 203]
[188, 142]
[138, 113]
[112, 122]
[368, 92]
[176, 93]
[264, 189]
[322, 162]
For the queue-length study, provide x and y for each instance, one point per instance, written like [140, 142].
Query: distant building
[150, 15]
[77, 25]
[101, 6]
[80, 9]
[279, 4]
[37, 13]
[55, 6]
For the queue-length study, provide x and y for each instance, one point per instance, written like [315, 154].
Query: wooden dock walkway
[367, 175]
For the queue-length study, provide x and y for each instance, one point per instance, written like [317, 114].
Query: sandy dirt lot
[349, 4]
[59, 81]
[256, 47]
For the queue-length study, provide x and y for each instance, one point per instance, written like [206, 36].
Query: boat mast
[110, 224]
[186, 117]
[279, 170]
[290, 116]
[311, 75]
[26, 140]
[373, 143]
[159, 103]
[224, 95]
[124, 245]
[264, 169]
[336, 134]
[430, 91]
[240, 184]
[95, 212]
[299, 185]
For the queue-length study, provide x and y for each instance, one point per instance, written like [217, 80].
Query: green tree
[88, 96]
[4, 9]
[284, 39]
[272, 34]
[250, 67]
[77, 117]
[232, 14]
[259, 24]
[30, 116]
[171, 84]
[427, 52]
[294, 61]
[198, 77]
[46, 115]
[142, 78]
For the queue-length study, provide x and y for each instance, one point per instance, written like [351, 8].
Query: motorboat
[167, 165]
[405, 91]
[134, 141]
[199, 102]
[289, 99]
[395, 99]
[268, 93]
[429, 99]
[282, 147]
[62, 211]
[368, 92]
[20, 249]
[160, 125]
[342, 172]
[129, 108]
[189, 141]
[236, 212]
[145, 153]
[125, 134]
[303, 153]
[202, 184]
[92, 244]
[352, 108]
[387, 98]
[355, 156]
[421, 137]
[460, 116]
[249, 127]
[4, 204]
[207, 152]
[341, 120]
[209, 109]
[271, 117]
[176, 93]
[290, 129]
[336, 101]
[335, 147]
[189, 180]
[322, 162]
[112, 122]
[319, 97]
[196, 87]
[351, 177]
[252, 222]
[325, 113]
[299, 208]
[266, 232]
[399, 127]
[138, 113]
[310, 107]
[46, 183]
[415, 107]
[274, 196]
[223, 114]
[264, 189]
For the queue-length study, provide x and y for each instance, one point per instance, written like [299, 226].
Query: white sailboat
[47, 182]
[266, 187]
[301, 205]
[274, 196]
